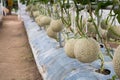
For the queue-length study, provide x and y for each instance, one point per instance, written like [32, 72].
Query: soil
[16, 59]
[105, 71]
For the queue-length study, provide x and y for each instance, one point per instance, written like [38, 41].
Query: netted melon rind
[37, 19]
[56, 25]
[45, 20]
[51, 33]
[86, 50]
[35, 14]
[91, 28]
[114, 32]
[116, 61]
[104, 25]
[102, 32]
[69, 48]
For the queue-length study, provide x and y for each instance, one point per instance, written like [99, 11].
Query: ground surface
[16, 59]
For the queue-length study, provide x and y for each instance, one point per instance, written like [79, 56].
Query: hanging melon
[104, 24]
[102, 32]
[86, 50]
[51, 33]
[33, 8]
[114, 32]
[56, 25]
[38, 18]
[45, 20]
[28, 7]
[91, 29]
[116, 61]
[69, 47]
[35, 14]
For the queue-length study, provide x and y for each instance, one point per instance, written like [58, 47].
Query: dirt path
[16, 59]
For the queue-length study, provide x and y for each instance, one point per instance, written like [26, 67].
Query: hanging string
[86, 30]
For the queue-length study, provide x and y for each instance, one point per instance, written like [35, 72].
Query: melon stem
[77, 20]
[67, 23]
[101, 57]
[102, 40]
[113, 19]
[110, 14]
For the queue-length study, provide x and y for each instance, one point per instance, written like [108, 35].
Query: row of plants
[81, 35]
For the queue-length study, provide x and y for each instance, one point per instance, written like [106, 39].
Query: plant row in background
[79, 27]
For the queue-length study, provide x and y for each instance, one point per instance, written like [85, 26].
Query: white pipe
[73, 19]
[18, 3]
[86, 18]
[19, 9]
[2, 6]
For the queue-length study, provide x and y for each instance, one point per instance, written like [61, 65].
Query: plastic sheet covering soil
[53, 63]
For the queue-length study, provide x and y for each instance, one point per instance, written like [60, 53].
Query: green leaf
[118, 18]
[84, 2]
[102, 5]
[117, 11]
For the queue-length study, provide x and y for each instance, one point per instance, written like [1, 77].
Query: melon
[28, 7]
[91, 31]
[45, 20]
[69, 47]
[102, 32]
[91, 28]
[116, 61]
[51, 33]
[36, 13]
[38, 18]
[56, 25]
[55, 8]
[114, 32]
[86, 50]
[33, 8]
[104, 25]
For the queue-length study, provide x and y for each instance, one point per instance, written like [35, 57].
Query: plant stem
[102, 40]
[109, 14]
[77, 20]
[101, 57]
[67, 23]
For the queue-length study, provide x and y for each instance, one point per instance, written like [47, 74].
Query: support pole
[2, 6]
[60, 39]
[19, 11]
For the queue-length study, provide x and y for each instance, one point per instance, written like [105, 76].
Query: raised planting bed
[52, 61]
